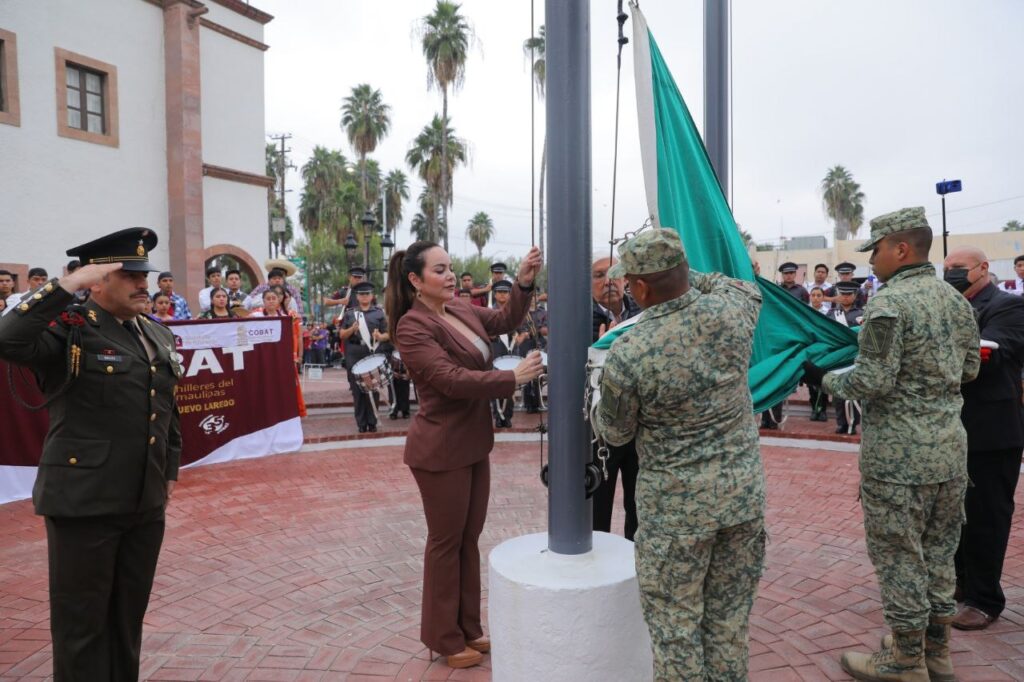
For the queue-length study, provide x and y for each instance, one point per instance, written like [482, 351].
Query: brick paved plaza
[307, 567]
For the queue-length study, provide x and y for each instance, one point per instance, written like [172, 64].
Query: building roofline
[245, 9]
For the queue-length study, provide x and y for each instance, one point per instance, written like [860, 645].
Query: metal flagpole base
[566, 617]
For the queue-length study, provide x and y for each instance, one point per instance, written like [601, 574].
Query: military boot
[936, 649]
[901, 661]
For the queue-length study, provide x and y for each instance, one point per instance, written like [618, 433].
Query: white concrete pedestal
[566, 618]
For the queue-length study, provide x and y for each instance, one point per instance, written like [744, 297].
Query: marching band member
[502, 344]
[363, 328]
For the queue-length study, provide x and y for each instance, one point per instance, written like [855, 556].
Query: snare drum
[372, 373]
[507, 362]
[397, 366]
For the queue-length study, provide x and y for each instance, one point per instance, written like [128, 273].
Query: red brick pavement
[307, 567]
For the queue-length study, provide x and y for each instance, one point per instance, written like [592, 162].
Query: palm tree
[535, 49]
[445, 36]
[843, 202]
[322, 175]
[365, 119]
[434, 161]
[396, 191]
[1013, 226]
[480, 230]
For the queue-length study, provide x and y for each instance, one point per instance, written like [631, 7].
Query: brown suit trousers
[455, 504]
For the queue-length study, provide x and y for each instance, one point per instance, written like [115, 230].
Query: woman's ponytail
[400, 294]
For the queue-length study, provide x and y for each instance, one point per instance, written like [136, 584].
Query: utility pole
[282, 168]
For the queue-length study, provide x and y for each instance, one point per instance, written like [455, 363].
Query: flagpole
[718, 90]
[569, 188]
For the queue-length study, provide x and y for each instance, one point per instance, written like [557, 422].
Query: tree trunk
[444, 163]
[540, 198]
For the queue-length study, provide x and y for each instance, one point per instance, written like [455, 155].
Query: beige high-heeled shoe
[481, 644]
[467, 658]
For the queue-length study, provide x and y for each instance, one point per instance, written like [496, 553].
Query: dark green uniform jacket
[114, 439]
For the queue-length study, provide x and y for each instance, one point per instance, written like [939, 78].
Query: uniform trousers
[455, 505]
[621, 459]
[531, 396]
[101, 575]
[912, 532]
[401, 395]
[989, 509]
[841, 421]
[503, 408]
[696, 590]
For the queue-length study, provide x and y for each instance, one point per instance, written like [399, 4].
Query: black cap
[165, 275]
[363, 287]
[847, 287]
[845, 268]
[499, 267]
[503, 285]
[130, 247]
[357, 271]
[787, 267]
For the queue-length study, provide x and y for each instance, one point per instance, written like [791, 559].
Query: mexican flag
[683, 194]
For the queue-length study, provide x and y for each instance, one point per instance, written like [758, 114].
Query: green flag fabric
[683, 194]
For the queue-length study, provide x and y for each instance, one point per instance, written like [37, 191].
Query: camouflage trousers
[696, 590]
[912, 533]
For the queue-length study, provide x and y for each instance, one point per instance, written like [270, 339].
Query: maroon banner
[23, 430]
[239, 381]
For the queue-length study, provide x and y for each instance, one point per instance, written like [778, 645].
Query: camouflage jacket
[918, 343]
[678, 383]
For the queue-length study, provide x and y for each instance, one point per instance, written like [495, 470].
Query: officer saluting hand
[111, 456]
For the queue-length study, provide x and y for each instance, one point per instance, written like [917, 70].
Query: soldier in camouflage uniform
[677, 382]
[918, 344]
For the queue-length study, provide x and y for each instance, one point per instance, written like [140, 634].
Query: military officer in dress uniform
[504, 344]
[111, 456]
[484, 296]
[363, 328]
[788, 270]
[846, 312]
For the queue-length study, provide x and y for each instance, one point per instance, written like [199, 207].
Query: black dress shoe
[840, 429]
[405, 414]
[372, 428]
[362, 429]
[393, 415]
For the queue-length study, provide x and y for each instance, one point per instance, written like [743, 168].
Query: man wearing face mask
[994, 421]
[917, 345]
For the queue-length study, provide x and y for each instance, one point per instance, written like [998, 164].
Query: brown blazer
[452, 428]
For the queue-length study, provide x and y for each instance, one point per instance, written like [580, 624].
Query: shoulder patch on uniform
[876, 335]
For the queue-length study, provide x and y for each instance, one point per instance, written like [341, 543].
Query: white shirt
[204, 299]
[1017, 290]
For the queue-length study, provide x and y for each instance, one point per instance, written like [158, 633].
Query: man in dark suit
[111, 456]
[994, 421]
[613, 305]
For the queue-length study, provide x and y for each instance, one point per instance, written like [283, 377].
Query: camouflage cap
[649, 252]
[891, 223]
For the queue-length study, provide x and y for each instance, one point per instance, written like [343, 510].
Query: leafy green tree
[366, 120]
[325, 259]
[480, 266]
[445, 39]
[1013, 226]
[843, 201]
[535, 49]
[435, 148]
[425, 225]
[479, 231]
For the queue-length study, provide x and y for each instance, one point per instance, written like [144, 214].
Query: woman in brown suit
[444, 344]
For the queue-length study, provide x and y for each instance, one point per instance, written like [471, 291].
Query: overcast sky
[903, 93]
